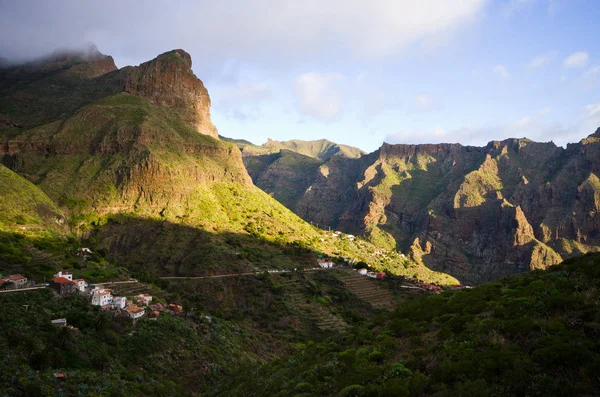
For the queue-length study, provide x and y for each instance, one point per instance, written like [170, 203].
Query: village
[141, 305]
[101, 295]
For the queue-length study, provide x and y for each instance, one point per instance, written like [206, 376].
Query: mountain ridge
[479, 213]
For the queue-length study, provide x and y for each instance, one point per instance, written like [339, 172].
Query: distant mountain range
[478, 213]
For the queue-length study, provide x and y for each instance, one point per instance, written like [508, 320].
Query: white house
[67, 275]
[134, 312]
[362, 271]
[325, 263]
[119, 302]
[372, 274]
[18, 280]
[101, 297]
[80, 284]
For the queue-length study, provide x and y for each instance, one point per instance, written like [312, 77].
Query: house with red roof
[63, 285]
[134, 311]
[14, 281]
[101, 297]
[80, 284]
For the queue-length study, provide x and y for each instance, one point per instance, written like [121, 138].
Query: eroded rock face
[129, 140]
[477, 213]
[168, 81]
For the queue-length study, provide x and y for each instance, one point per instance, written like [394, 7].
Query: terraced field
[128, 289]
[315, 312]
[369, 290]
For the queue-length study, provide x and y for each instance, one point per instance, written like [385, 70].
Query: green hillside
[24, 206]
[534, 335]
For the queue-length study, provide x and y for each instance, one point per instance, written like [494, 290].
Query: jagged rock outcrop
[168, 81]
[478, 213]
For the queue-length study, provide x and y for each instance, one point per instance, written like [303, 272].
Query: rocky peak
[87, 61]
[595, 134]
[168, 81]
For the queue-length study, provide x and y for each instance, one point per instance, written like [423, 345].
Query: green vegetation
[109, 356]
[24, 206]
[226, 228]
[534, 334]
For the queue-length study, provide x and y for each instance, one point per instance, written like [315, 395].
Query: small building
[63, 285]
[144, 298]
[160, 307]
[119, 302]
[175, 308]
[135, 312]
[67, 275]
[61, 376]
[381, 275]
[154, 314]
[80, 284]
[362, 271]
[101, 297]
[59, 322]
[325, 263]
[372, 274]
[14, 281]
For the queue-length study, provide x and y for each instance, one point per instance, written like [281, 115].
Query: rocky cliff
[135, 138]
[168, 81]
[478, 213]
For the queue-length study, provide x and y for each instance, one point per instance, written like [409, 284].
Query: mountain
[321, 149]
[132, 159]
[478, 213]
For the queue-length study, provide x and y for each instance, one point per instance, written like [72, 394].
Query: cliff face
[477, 213]
[168, 81]
[136, 139]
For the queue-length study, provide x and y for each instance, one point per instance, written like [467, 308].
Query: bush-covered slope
[536, 334]
[23, 206]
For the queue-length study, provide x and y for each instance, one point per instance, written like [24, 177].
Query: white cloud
[531, 126]
[541, 60]
[262, 29]
[501, 71]
[235, 97]
[578, 59]
[318, 95]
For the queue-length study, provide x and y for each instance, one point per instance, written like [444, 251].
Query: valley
[296, 268]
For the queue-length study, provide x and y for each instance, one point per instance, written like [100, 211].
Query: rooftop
[61, 280]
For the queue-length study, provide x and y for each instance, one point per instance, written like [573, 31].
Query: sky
[355, 72]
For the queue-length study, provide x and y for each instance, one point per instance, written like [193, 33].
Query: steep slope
[289, 171]
[24, 207]
[529, 335]
[478, 213]
[140, 171]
